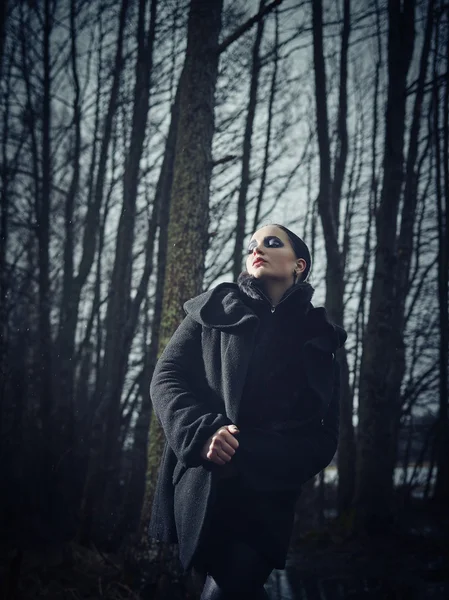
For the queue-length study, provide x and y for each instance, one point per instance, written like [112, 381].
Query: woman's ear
[300, 265]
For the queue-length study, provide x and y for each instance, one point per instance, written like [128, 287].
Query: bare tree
[140, 446]
[442, 197]
[246, 154]
[3, 15]
[329, 201]
[73, 283]
[122, 311]
[374, 469]
[271, 104]
[63, 377]
[189, 206]
[43, 208]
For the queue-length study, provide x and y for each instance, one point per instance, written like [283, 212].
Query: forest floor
[411, 565]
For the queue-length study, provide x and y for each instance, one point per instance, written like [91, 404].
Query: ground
[413, 564]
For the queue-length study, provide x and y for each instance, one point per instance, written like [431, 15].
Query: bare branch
[247, 26]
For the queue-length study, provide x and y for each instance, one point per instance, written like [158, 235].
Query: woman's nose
[257, 249]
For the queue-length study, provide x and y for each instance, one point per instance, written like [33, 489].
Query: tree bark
[140, 447]
[189, 208]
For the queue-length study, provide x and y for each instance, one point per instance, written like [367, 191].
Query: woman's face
[270, 255]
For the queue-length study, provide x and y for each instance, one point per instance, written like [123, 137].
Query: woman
[247, 392]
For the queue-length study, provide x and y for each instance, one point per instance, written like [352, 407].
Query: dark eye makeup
[271, 241]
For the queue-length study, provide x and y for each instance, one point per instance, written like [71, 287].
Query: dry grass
[71, 572]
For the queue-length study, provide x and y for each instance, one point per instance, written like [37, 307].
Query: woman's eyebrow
[267, 237]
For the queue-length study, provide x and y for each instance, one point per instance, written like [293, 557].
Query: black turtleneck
[274, 390]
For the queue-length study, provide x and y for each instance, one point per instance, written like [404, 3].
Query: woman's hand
[221, 446]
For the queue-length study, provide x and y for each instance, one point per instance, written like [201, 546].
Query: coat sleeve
[187, 416]
[285, 458]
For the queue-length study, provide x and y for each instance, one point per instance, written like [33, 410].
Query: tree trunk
[334, 270]
[140, 447]
[404, 250]
[43, 236]
[104, 460]
[246, 156]
[329, 200]
[3, 14]
[6, 176]
[69, 310]
[273, 89]
[441, 494]
[374, 467]
[189, 208]
[64, 369]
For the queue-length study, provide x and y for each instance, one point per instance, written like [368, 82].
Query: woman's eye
[273, 242]
[269, 242]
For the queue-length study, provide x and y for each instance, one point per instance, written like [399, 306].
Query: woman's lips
[258, 262]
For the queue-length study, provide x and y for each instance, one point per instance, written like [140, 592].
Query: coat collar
[224, 307]
[231, 305]
[252, 290]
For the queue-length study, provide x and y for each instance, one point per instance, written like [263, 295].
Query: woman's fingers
[221, 447]
[216, 457]
[230, 439]
[213, 457]
[233, 429]
[227, 448]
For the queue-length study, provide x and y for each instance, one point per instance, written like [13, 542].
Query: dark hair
[299, 248]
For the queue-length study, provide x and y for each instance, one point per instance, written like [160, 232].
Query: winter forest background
[141, 143]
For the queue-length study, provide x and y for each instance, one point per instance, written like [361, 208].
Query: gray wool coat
[196, 389]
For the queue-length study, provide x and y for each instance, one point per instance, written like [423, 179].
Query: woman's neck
[274, 290]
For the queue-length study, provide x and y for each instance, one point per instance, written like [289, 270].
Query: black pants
[230, 556]
[239, 572]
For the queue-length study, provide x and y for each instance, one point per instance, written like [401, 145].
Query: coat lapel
[236, 350]
[226, 355]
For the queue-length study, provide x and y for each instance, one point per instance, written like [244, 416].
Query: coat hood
[223, 307]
